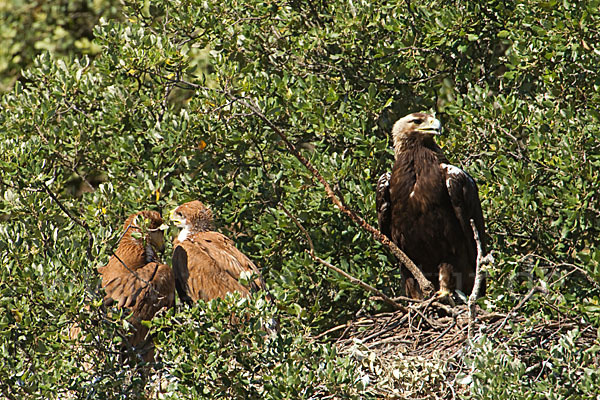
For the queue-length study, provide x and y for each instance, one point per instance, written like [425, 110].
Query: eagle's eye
[417, 121]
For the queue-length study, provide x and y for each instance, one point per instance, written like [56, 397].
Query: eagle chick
[135, 279]
[206, 263]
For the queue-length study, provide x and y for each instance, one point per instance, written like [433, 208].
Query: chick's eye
[417, 121]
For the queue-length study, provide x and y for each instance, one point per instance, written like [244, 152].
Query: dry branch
[479, 276]
[360, 283]
[424, 283]
[384, 343]
[521, 303]
[79, 222]
[338, 270]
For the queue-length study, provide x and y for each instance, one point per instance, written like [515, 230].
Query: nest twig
[421, 352]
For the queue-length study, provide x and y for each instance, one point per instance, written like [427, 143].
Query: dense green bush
[64, 28]
[158, 117]
[563, 371]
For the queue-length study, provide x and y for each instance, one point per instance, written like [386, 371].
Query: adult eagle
[425, 206]
[134, 278]
[206, 263]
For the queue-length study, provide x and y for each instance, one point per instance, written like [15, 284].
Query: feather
[426, 205]
[206, 263]
[133, 277]
[383, 204]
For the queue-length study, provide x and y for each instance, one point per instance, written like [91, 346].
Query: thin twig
[583, 272]
[479, 276]
[415, 308]
[386, 329]
[300, 226]
[79, 222]
[361, 284]
[521, 303]
[424, 283]
[351, 278]
[452, 325]
[407, 299]
[397, 339]
[327, 332]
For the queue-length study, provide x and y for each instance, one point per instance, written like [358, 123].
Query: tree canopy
[146, 105]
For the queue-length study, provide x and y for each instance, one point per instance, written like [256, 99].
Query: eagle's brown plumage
[134, 278]
[425, 204]
[206, 263]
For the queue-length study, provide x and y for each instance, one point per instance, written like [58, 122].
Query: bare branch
[301, 227]
[479, 276]
[361, 284]
[407, 299]
[425, 285]
[79, 222]
[521, 303]
[576, 268]
[327, 332]
[346, 275]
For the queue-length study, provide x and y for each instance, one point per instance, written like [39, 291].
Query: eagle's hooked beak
[162, 227]
[173, 218]
[432, 126]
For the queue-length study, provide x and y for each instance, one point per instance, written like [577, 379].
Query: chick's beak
[173, 218]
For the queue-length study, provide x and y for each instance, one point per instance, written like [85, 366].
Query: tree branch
[361, 284]
[79, 222]
[346, 275]
[479, 276]
[528, 296]
[424, 284]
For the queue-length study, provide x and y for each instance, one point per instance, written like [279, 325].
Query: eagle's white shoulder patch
[451, 172]
[451, 169]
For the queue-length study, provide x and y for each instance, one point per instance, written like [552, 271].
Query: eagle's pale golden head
[415, 126]
[193, 217]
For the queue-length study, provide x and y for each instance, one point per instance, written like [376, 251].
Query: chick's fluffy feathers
[133, 278]
[206, 263]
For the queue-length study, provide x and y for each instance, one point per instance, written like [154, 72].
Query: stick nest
[426, 352]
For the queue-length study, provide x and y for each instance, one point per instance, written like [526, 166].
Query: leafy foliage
[64, 28]
[216, 356]
[561, 372]
[155, 116]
